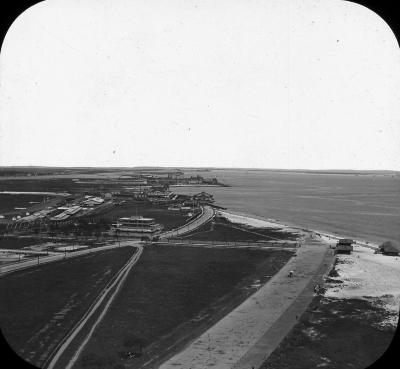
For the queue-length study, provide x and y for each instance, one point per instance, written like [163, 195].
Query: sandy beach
[250, 333]
[369, 276]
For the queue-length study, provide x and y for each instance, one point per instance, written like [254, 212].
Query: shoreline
[200, 185]
[363, 258]
[288, 226]
[239, 329]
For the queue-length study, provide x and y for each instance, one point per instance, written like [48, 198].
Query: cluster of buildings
[196, 180]
[77, 207]
[86, 206]
[166, 180]
[172, 178]
[153, 194]
[36, 216]
[147, 228]
[390, 248]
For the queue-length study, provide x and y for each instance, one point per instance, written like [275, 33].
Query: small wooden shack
[344, 246]
[390, 248]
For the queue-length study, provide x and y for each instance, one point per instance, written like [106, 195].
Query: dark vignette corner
[389, 359]
[387, 10]
[9, 359]
[10, 11]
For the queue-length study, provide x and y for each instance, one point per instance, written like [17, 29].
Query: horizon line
[199, 167]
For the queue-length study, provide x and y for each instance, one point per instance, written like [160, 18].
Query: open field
[45, 242]
[38, 185]
[39, 306]
[9, 202]
[20, 243]
[173, 295]
[168, 218]
[38, 172]
[334, 334]
[223, 230]
[55, 184]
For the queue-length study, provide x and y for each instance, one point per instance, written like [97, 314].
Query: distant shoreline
[329, 237]
[34, 193]
[199, 185]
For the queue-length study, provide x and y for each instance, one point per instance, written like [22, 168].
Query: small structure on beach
[344, 246]
[390, 248]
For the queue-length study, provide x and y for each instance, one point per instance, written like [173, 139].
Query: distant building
[138, 182]
[94, 201]
[73, 210]
[344, 246]
[174, 207]
[203, 198]
[157, 194]
[389, 248]
[136, 226]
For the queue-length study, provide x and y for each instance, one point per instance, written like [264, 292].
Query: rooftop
[136, 217]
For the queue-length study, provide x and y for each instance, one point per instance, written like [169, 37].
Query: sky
[291, 84]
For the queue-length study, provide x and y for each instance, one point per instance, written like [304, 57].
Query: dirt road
[207, 214]
[9, 268]
[246, 336]
[68, 351]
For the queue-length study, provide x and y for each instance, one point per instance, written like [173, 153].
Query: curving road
[9, 268]
[206, 215]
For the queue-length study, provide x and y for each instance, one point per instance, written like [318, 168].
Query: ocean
[363, 207]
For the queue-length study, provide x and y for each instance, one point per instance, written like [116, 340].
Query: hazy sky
[228, 83]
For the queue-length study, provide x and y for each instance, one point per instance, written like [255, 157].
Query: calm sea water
[365, 207]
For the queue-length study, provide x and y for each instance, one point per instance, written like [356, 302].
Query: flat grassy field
[38, 185]
[168, 218]
[22, 242]
[172, 295]
[223, 230]
[334, 334]
[19, 243]
[9, 202]
[39, 306]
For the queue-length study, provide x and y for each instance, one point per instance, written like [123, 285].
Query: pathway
[245, 337]
[206, 215]
[68, 351]
[13, 267]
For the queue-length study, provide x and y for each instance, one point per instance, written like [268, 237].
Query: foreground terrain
[39, 306]
[173, 294]
[352, 322]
